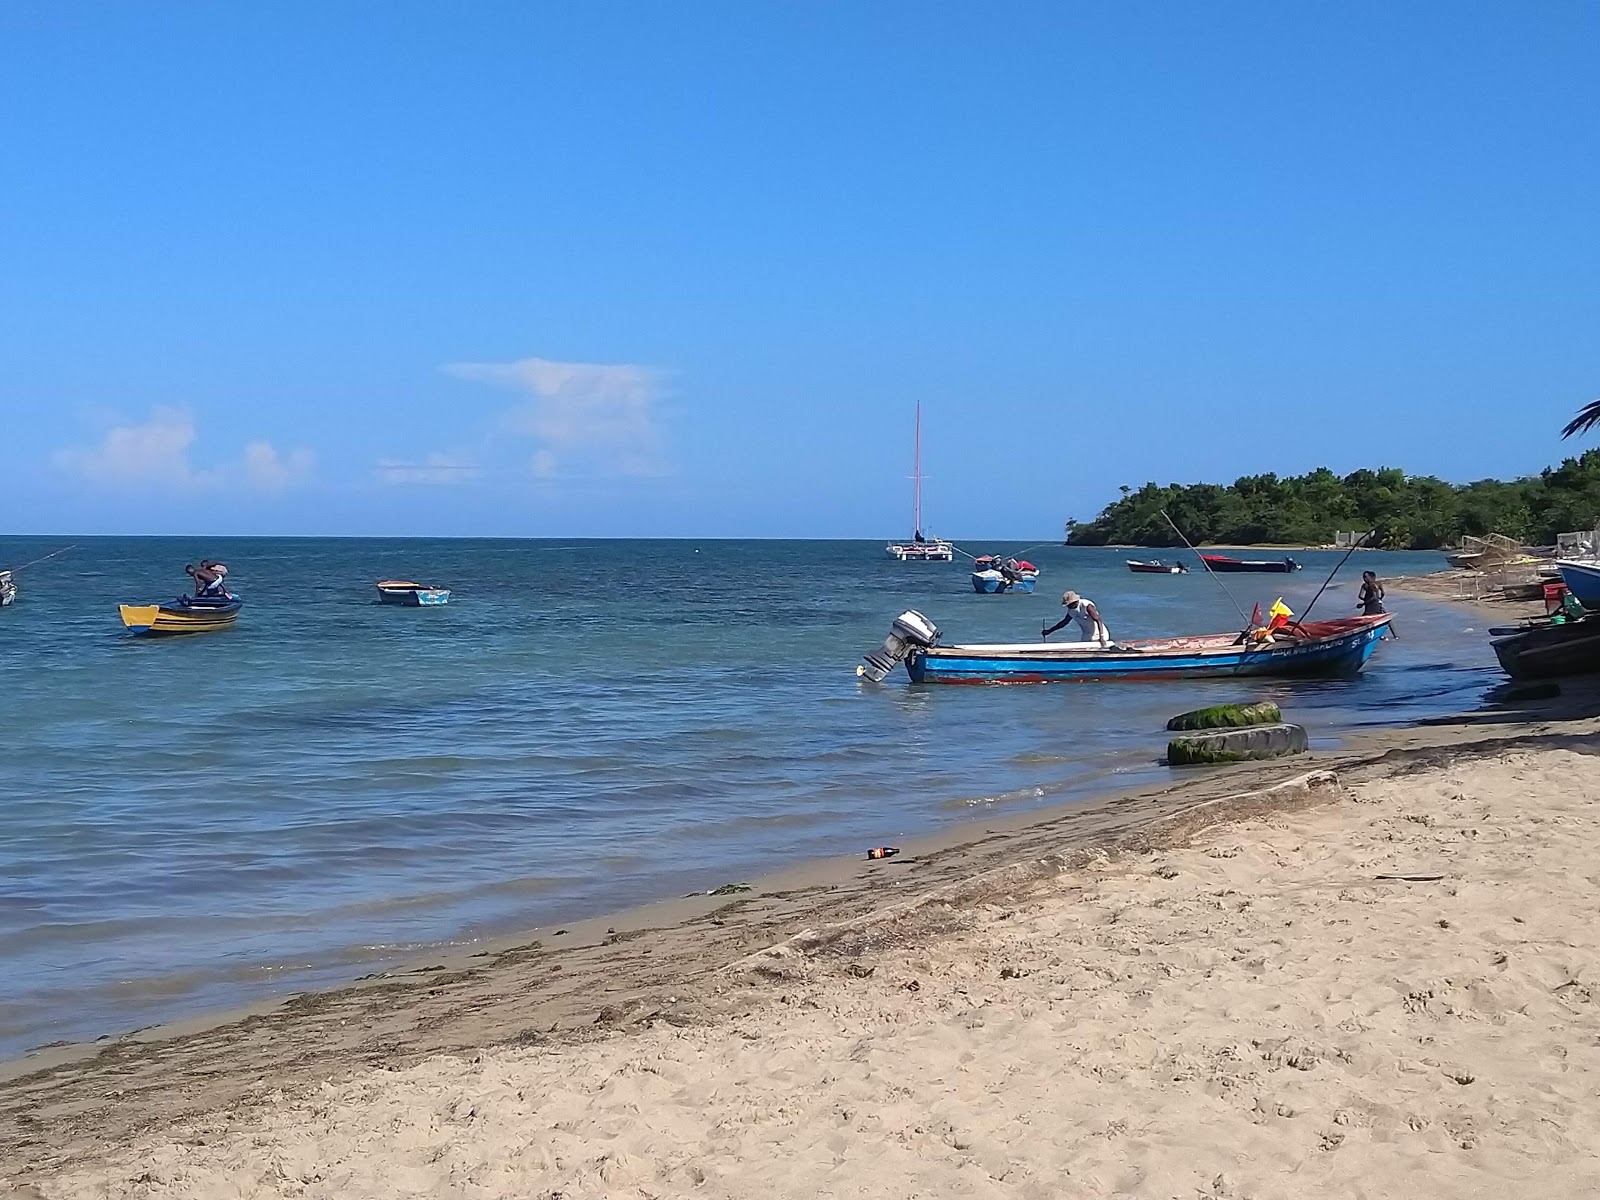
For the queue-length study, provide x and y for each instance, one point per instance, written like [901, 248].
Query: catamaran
[920, 548]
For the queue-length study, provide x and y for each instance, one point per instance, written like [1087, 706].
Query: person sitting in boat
[1090, 627]
[208, 580]
[1011, 570]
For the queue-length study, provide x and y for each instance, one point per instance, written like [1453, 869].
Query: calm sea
[334, 785]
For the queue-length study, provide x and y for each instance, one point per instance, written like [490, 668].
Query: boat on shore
[992, 575]
[1156, 567]
[1222, 564]
[920, 548]
[411, 595]
[1333, 648]
[187, 614]
[1582, 580]
[1551, 650]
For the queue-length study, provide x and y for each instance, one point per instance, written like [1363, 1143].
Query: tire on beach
[1236, 745]
[1227, 716]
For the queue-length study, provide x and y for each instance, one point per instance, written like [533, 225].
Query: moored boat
[1156, 567]
[992, 575]
[1552, 650]
[411, 595]
[1222, 564]
[1582, 580]
[1315, 648]
[8, 589]
[187, 614]
[920, 548]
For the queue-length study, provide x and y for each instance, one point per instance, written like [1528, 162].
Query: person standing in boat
[1091, 628]
[1371, 596]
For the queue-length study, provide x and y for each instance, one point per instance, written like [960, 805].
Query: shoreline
[677, 962]
[667, 962]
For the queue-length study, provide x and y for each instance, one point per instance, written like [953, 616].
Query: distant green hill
[1416, 512]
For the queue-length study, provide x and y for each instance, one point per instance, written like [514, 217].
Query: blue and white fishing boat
[1315, 648]
[1582, 580]
[992, 575]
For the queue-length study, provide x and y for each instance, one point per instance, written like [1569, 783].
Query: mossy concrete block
[1236, 745]
[1228, 716]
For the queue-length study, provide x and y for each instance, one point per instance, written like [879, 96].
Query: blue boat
[993, 576]
[1315, 648]
[1582, 580]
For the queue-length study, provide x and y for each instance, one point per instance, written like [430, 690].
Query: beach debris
[1236, 745]
[1227, 716]
[729, 889]
[859, 971]
[1412, 878]
[883, 851]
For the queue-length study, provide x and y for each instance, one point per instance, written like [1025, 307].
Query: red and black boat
[1223, 565]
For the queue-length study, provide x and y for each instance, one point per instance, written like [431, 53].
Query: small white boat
[411, 595]
[8, 589]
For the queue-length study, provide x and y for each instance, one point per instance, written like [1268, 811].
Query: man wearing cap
[1090, 626]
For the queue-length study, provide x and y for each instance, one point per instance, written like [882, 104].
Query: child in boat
[1091, 628]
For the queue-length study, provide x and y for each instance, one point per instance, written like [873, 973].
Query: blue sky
[662, 270]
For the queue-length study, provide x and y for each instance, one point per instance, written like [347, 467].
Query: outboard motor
[910, 630]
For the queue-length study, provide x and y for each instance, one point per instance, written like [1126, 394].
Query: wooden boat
[920, 548]
[1316, 648]
[990, 576]
[411, 595]
[1156, 567]
[1222, 564]
[1550, 650]
[184, 615]
[1582, 580]
[8, 589]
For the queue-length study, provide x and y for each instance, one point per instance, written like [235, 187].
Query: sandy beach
[1363, 973]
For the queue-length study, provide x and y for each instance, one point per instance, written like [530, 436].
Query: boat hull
[165, 620]
[1154, 568]
[8, 589]
[1238, 566]
[921, 552]
[412, 595]
[1551, 651]
[1583, 581]
[992, 583]
[1337, 648]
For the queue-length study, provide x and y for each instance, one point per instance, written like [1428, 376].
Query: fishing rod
[46, 558]
[1207, 566]
[1354, 546]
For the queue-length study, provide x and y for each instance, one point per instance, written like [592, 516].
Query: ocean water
[333, 785]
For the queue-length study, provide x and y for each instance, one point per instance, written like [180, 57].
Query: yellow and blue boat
[184, 615]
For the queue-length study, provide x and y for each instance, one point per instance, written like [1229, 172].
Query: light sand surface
[1257, 1012]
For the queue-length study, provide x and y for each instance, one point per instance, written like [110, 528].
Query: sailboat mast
[916, 478]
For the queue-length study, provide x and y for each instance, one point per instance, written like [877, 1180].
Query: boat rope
[1207, 566]
[46, 558]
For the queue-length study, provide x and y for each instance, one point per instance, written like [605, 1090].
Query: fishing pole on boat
[1207, 566]
[46, 558]
[1354, 546]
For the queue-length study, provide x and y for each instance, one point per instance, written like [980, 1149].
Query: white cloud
[586, 417]
[435, 469]
[264, 468]
[154, 452]
[157, 451]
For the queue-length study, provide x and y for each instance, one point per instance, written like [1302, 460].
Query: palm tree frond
[1588, 417]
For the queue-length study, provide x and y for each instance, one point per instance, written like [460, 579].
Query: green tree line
[1418, 512]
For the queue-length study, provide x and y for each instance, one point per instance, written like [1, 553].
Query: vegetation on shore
[1418, 512]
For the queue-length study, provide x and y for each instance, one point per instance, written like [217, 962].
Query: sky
[685, 270]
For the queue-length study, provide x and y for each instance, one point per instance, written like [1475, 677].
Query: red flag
[1255, 616]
